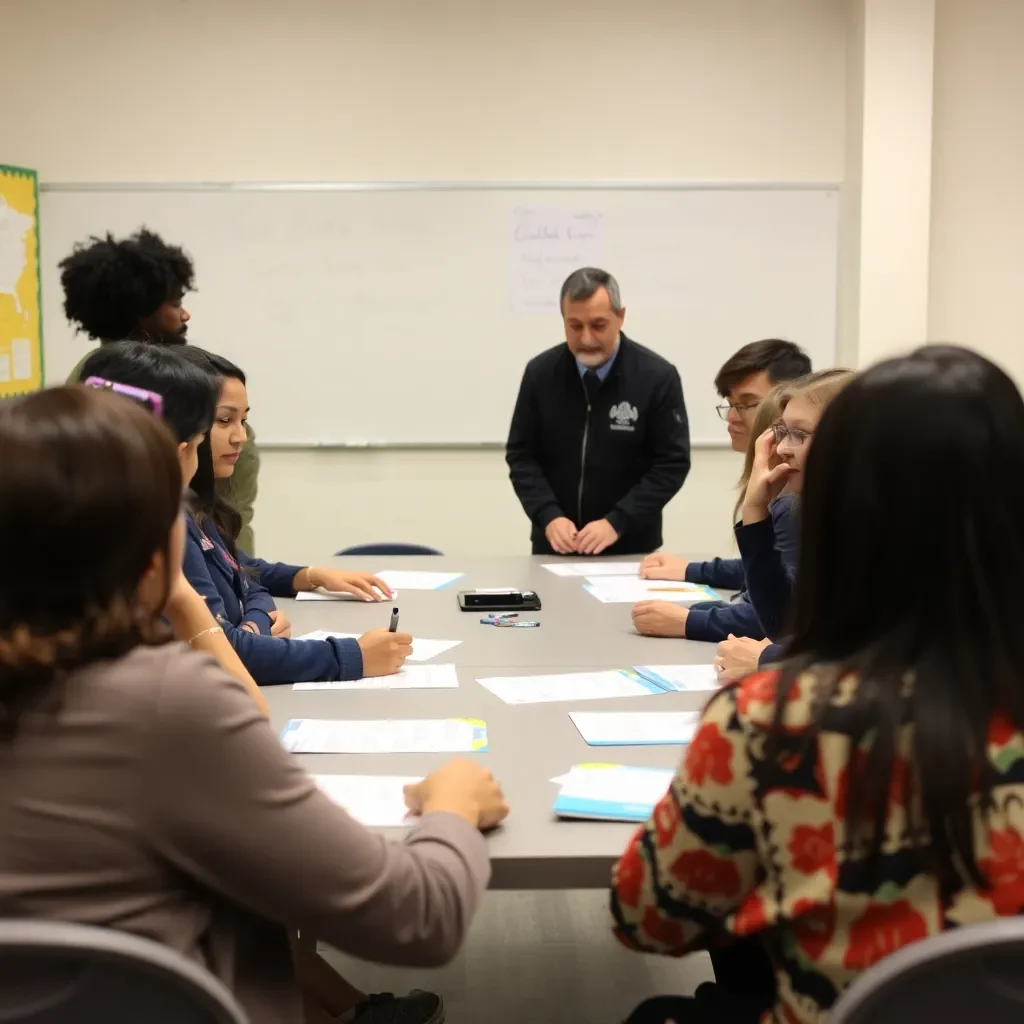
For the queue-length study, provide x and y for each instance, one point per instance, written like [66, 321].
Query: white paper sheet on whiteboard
[547, 244]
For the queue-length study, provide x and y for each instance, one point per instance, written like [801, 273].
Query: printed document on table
[611, 792]
[422, 650]
[687, 678]
[585, 568]
[569, 686]
[331, 595]
[635, 728]
[408, 677]
[377, 801]
[385, 736]
[625, 590]
[412, 580]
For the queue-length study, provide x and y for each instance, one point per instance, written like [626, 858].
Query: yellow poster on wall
[21, 328]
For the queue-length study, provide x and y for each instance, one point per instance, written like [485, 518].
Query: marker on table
[393, 628]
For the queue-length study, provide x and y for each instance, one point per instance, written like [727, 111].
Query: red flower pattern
[756, 689]
[880, 930]
[813, 926]
[666, 819]
[813, 849]
[709, 755]
[662, 931]
[629, 873]
[751, 916]
[1004, 869]
[708, 871]
[702, 872]
[1000, 730]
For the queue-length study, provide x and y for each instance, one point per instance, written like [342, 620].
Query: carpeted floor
[540, 958]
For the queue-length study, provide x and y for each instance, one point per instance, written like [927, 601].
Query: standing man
[134, 288]
[599, 442]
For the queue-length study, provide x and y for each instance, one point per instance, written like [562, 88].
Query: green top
[239, 491]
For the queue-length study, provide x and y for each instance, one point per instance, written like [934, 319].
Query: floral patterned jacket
[741, 846]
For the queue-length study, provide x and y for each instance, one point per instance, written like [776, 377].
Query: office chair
[388, 549]
[974, 973]
[57, 973]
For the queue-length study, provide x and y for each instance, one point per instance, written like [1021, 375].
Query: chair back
[56, 973]
[973, 974]
[389, 549]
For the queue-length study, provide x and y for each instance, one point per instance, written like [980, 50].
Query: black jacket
[621, 458]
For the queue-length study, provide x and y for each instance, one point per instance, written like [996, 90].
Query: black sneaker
[417, 1007]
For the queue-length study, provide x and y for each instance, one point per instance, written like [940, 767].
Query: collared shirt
[603, 370]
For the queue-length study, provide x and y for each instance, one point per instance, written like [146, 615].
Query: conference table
[528, 744]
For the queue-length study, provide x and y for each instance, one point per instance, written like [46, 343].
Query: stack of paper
[611, 792]
[422, 650]
[569, 686]
[331, 595]
[413, 580]
[387, 736]
[689, 678]
[635, 728]
[587, 568]
[629, 590]
[408, 677]
[375, 800]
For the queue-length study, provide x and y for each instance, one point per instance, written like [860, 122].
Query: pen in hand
[393, 628]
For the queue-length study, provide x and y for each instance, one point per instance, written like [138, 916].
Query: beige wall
[977, 244]
[452, 89]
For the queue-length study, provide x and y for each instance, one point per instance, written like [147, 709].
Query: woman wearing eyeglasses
[779, 457]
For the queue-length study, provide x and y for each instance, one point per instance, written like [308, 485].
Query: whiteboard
[405, 315]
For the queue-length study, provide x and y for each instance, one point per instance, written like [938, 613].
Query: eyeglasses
[796, 437]
[723, 410]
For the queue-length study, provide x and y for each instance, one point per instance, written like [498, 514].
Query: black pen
[393, 628]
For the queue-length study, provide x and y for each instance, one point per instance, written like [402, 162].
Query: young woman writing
[867, 794]
[171, 809]
[242, 606]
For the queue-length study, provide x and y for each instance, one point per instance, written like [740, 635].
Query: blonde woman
[716, 620]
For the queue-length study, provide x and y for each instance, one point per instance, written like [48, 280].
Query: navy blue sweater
[769, 584]
[237, 595]
[715, 620]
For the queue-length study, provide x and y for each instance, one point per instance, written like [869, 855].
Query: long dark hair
[189, 389]
[911, 561]
[207, 501]
[90, 488]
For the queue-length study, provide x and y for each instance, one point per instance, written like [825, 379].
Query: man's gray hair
[582, 283]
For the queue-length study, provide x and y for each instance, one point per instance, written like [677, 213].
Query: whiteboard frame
[666, 185]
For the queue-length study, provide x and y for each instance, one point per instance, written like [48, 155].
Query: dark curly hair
[110, 285]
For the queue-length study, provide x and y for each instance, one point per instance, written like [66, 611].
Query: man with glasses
[748, 376]
[743, 381]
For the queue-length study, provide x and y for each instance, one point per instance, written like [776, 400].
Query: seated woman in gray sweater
[171, 809]
[719, 620]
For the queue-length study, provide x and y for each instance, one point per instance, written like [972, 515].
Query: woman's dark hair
[917, 469]
[207, 501]
[109, 285]
[189, 389]
[90, 488]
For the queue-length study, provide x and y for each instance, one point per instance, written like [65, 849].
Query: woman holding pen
[238, 590]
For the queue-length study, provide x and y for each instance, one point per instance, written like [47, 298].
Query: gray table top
[527, 744]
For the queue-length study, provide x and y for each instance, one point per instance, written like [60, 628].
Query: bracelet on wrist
[204, 632]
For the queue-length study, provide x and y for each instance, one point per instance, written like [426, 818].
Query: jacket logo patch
[623, 416]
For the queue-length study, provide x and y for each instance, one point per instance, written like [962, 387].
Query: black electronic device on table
[499, 600]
